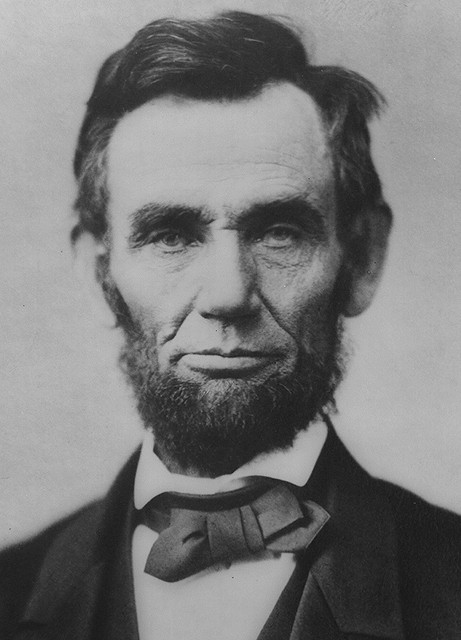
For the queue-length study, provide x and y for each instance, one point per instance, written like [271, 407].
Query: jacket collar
[91, 555]
[355, 564]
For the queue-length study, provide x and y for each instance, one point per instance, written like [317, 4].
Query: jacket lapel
[347, 588]
[90, 558]
[352, 589]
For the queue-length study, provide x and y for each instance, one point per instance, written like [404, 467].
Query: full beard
[214, 427]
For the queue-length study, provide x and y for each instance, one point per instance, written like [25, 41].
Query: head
[230, 211]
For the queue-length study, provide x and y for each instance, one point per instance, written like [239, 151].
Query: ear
[366, 255]
[91, 259]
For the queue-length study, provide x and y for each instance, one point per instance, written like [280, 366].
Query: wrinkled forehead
[219, 154]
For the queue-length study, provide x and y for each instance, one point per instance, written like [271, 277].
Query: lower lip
[220, 364]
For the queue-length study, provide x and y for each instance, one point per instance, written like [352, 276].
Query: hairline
[112, 123]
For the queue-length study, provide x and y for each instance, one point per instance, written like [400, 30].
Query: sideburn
[112, 295]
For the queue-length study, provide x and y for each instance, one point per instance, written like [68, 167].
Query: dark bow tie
[204, 531]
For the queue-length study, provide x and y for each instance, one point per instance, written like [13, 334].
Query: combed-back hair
[231, 56]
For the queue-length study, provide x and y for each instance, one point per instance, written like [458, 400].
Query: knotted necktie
[198, 534]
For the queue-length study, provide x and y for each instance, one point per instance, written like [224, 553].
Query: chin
[215, 425]
[214, 422]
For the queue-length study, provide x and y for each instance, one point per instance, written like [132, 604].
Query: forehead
[220, 155]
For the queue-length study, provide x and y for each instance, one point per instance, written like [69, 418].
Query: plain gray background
[67, 421]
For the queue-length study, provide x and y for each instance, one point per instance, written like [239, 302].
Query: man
[230, 216]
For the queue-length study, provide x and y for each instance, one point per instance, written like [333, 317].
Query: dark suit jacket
[387, 565]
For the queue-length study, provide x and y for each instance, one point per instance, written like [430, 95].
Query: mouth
[220, 363]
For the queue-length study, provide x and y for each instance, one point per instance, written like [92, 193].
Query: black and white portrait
[230, 320]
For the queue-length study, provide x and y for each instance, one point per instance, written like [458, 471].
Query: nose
[228, 280]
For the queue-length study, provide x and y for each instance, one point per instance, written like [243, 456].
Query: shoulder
[427, 549]
[422, 527]
[21, 563]
[419, 525]
[52, 561]
[429, 554]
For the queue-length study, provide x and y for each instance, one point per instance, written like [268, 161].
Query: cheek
[301, 299]
[146, 292]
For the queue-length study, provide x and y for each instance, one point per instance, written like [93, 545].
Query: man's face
[223, 237]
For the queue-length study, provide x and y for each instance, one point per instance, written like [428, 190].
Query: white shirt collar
[293, 465]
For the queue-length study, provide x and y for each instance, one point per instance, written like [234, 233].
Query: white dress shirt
[218, 603]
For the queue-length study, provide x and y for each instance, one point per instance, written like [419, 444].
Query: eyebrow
[155, 215]
[296, 210]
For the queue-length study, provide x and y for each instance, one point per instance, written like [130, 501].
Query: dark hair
[231, 56]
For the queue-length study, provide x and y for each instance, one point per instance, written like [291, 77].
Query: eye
[171, 240]
[280, 236]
